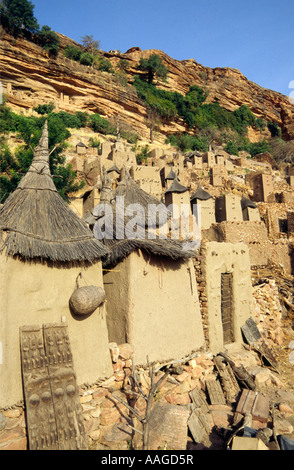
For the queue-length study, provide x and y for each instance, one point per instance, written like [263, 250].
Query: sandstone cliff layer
[29, 78]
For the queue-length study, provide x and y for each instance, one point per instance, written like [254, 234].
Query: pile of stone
[198, 404]
[268, 312]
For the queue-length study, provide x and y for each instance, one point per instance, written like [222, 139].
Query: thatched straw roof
[245, 202]
[119, 238]
[153, 208]
[120, 249]
[176, 187]
[35, 222]
[200, 194]
[171, 175]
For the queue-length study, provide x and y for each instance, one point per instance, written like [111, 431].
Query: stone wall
[254, 234]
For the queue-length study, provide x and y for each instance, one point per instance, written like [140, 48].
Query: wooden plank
[246, 402]
[228, 381]
[260, 409]
[215, 392]
[199, 400]
[227, 307]
[65, 395]
[196, 428]
[266, 355]
[250, 331]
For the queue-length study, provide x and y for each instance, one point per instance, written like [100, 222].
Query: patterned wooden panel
[65, 394]
[215, 392]
[227, 307]
[54, 414]
[42, 430]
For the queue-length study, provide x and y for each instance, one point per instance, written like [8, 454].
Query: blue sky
[254, 36]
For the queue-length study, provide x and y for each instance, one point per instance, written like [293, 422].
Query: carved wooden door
[227, 307]
[53, 409]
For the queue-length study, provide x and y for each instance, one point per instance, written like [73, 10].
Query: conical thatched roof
[120, 242]
[35, 222]
[176, 187]
[245, 202]
[133, 194]
[200, 194]
[171, 175]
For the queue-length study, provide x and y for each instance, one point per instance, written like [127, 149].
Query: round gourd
[85, 300]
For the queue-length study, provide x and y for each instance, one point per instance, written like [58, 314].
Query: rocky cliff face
[29, 78]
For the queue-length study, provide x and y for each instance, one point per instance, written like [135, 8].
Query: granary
[263, 189]
[81, 148]
[202, 207]
[169, 178]
[167, 174]
[249, 209]
[228, 208]
[196, 160]
[209, 159]
[216, 176]
[177, 196]
[48, 256]
[151, 291]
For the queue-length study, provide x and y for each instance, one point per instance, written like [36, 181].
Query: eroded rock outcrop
[29, 77]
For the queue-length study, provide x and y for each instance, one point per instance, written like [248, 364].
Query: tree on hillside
[153, 122]
[153, 67]
[86, 59]
[90, 44]
[17, 16]
[49, 40]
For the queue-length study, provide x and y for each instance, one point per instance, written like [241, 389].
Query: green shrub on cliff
[72, 52]
[48, 40]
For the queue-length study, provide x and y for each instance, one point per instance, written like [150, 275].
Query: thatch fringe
[120, 249]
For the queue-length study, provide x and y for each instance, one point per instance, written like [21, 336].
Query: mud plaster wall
[34, 294]
[154, 307]
[221, 258]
